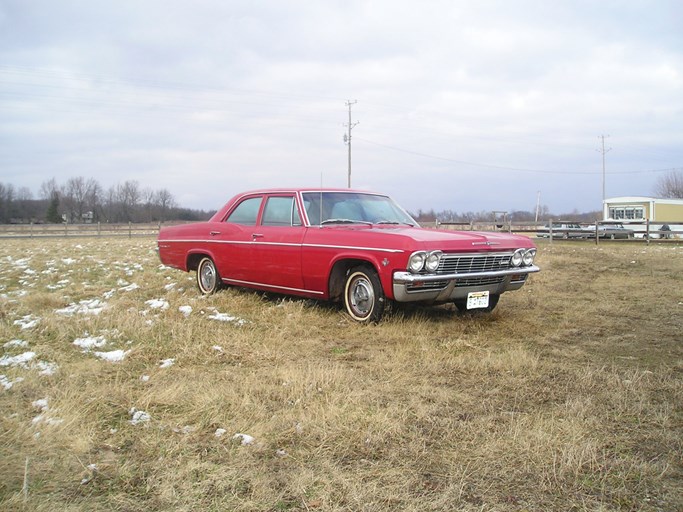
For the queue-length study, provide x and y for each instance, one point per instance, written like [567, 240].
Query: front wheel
[208, 279]
[363, 295]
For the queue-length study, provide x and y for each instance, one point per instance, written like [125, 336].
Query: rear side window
[246, 212]
[281, 211]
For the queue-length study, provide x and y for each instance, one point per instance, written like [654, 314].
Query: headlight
[529, 256]
[517, 258]
[433, 260]
[417, 261]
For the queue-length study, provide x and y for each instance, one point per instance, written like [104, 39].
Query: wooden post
[597, 237]
[550, 230]
[647, 231]
[130, 229]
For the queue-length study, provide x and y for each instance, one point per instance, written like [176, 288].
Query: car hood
[425, 238]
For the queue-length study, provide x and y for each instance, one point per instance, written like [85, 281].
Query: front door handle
[254, 236]
[214, 233]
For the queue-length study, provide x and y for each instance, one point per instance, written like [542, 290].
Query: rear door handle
[254, 236]
[214, 233]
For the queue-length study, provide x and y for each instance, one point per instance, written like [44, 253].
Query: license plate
[477, 300]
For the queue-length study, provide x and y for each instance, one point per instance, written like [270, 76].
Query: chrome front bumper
[407, 287]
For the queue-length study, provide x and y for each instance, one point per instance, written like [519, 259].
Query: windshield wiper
[345, 221]
[393, 222]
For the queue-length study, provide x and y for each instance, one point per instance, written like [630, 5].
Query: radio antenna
[320, 219]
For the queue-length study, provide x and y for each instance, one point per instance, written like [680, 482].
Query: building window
[627, 212]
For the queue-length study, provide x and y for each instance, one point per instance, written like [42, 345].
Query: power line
[506, 168]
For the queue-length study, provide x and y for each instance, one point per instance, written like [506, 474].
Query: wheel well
[194, 259]
[338, 276]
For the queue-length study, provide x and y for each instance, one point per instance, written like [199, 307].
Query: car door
[277, 244]
[234, 240]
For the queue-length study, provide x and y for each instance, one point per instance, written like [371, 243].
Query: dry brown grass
[567, 397]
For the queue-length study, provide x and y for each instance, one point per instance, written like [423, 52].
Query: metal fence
[645, 230]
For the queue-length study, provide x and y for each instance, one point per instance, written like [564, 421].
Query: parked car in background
[562, 230]
[358, 248]
[611, 231]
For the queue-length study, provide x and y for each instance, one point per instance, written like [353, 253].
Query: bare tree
[148, 200]
[670, 185]
[129, 198]
[164, 202]
[49, 188]
[93, 197]
[74, 196]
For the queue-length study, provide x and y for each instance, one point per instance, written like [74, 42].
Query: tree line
[84, 200]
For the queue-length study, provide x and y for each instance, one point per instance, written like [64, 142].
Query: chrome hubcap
[208, 277]
[362, 297]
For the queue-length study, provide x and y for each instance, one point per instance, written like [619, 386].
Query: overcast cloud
[462, 105]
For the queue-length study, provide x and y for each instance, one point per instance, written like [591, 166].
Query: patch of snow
[20, 360]
[68, 261]
[27, 322]
[218, 348]
[7, 384]
[138, 417]
[157, 304]
[47, 368]
[169, 287]
[220, 432]
[16, 343]
[225, 317]
[244, 439]
[40, 404]
[144, 378]
[90, 342]
[185, 310]
[129, 288]
[84, 307]
[113, 356]
[167, 363]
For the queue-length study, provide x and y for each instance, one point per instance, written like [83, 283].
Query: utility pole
[603, 151]
[347, 136]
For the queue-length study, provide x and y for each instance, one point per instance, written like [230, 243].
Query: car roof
[307, 189]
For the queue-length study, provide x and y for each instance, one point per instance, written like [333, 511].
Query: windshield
[353, 207]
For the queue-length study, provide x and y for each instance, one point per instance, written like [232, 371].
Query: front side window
[246, 212]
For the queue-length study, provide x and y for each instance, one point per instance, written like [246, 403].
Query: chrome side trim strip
[324, 246]
[249, 242]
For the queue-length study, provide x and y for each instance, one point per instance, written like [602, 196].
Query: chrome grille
[465, 264]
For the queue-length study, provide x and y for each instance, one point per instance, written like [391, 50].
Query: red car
[360, 248]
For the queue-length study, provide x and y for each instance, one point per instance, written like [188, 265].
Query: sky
[455, 105]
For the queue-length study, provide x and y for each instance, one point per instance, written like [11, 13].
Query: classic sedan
[358, 248]
[612, 231]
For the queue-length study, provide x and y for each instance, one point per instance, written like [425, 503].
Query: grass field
[122, 389]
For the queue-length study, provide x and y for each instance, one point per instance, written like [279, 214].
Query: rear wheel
[363, 295]
[461, 304]
[208, 279]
